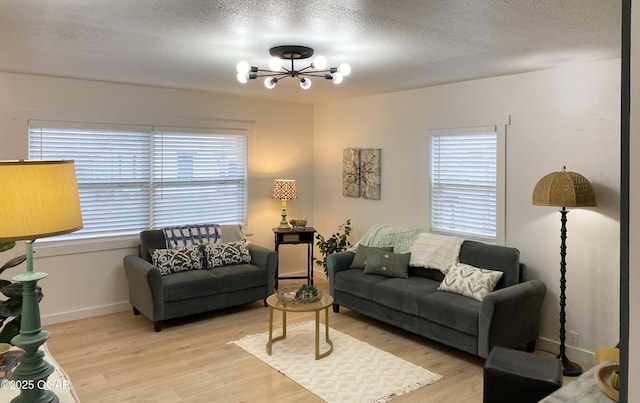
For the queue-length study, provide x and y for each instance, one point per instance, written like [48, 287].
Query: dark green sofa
[509, 316]
[184, 293]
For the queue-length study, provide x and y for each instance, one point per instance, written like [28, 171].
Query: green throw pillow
[360, 259]
[387, 263]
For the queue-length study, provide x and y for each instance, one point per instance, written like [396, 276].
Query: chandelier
[277, 71]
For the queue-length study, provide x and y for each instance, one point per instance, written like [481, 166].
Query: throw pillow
[196, 234]
[177, 259]
[470, 281]
[435, 251]
[222, 254]
[387, 263]
[360, 259]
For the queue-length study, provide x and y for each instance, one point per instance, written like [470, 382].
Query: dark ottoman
[512, 376]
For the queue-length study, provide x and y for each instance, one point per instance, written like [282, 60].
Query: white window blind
[131, 180]
[463, 182]
[203, 172]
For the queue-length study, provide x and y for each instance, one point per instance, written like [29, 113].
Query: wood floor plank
[119, 358]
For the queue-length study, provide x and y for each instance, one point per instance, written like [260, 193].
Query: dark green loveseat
[509, 316]
[162, 297]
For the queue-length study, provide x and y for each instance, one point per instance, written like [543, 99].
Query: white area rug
[354, 372]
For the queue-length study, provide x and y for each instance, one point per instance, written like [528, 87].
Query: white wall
[567, 116]
[83, 281]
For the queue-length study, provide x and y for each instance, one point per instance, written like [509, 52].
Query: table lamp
[38, 199]
[284, 189]
[564, 189]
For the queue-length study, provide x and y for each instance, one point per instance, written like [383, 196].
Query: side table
[322, 304]
[295, 236]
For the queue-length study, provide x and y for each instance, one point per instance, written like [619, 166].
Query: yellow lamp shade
[38, 199]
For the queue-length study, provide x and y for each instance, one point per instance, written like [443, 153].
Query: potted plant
[338, 242]
[11, 306]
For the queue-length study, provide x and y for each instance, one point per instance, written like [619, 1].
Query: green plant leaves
[338, 242]
[4, 246]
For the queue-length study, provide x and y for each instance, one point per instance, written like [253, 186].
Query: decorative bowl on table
[299, 293]
[298, 222]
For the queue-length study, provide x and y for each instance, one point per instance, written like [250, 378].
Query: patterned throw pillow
[177, 259]
[222, 254]
[470, 281]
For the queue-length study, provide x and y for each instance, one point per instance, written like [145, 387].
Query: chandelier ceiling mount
[277, 70]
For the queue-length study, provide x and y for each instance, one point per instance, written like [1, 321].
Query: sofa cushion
[189, 285]
[493, 257]
[387, 263]
[472, 282]
[435, 251]
[404, 294]
[232, 233]
[239, 277]
[177, 259]
[360, 259]
[227, 253]
[451, 310]
[355, 282]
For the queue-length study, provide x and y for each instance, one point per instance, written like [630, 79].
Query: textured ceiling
[391, 44]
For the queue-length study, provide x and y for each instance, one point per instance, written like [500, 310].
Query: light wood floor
[119, 358]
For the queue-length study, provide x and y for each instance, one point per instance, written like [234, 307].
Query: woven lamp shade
[564, 189]
[284, 189]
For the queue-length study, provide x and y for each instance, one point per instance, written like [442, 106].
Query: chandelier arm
[314, 73]
[271, 74]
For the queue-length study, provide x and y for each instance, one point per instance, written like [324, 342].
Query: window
[464, 182]
[136, 178]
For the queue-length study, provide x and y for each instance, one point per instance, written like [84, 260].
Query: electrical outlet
[572, 338]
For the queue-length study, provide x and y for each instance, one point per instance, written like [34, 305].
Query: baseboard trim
[85, 313]
[573, 353]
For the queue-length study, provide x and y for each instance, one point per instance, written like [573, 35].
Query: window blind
[131, 180]
[463, 166]
[205, 172]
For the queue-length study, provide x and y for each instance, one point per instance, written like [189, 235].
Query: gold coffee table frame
[323, 303]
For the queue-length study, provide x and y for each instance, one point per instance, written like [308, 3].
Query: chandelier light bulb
[243, 77]
[270, 82]
[344, 69]
[305, 83]
[243, 67]
[320, 62]
[275, 63]
[293, 61]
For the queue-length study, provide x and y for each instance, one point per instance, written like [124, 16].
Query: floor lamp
[564, 189]
[37, 199]
[284, 189]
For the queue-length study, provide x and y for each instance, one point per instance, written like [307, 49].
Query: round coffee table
[323, 303]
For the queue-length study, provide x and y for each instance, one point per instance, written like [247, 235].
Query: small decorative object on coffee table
[299, 294]
[300, 299]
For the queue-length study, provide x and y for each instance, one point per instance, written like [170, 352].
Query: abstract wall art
[361, 172]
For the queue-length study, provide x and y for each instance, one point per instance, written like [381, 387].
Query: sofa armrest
[510, 317]
[146, 291]
[337, 262]
[267, 259]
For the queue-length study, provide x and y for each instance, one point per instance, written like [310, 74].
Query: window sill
[72, 247]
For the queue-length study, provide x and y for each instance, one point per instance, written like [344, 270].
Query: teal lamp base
[32, 372]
